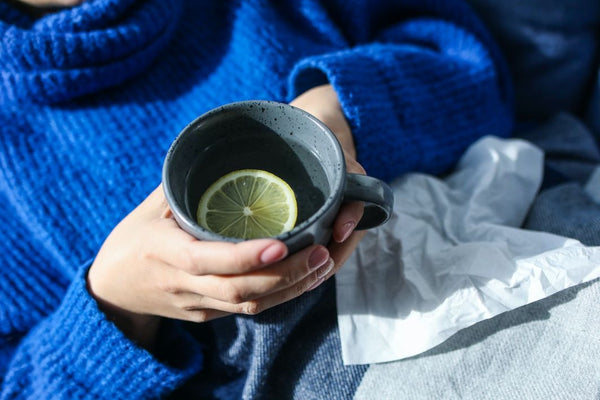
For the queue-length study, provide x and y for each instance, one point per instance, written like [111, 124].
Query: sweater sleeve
[56, 343]
[417, 91]
[77, 353]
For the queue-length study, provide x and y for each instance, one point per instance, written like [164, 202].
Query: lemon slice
[248, 204]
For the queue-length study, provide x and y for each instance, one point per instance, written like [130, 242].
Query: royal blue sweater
[91, 98]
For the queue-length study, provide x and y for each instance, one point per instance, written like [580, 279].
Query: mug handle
[377, 195]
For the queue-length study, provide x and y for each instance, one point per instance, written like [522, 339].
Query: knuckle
[144, 252]
[198, 316]
[251, 308]
[191, 259]
[188, 308]
[146, 256]
[189, 304]
[170, 287]
[305, 285]
[291, 278]
[298, 289]
[190, 256]
[232, 294]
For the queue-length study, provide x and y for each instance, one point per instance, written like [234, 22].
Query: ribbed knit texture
[77, 342]
[68, 54]
[92, 97]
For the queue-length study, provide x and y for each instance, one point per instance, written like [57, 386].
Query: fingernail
[315, 285]
[273, 253]
[318, 257]
[347, 230]
[325, 269]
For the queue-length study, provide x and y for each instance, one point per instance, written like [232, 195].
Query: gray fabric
[546, 350]
[571, 152]
[593, 111]
[570, 149]
[567, 210]
[571, 155]
[549, 349]
[552, 47]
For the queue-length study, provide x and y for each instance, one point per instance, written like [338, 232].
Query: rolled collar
[76, 51]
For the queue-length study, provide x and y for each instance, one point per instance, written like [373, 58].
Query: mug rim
[192, 227]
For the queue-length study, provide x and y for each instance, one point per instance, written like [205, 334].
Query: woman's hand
[148, 267]
[323, 103]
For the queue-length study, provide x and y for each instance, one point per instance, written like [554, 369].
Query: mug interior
[263, 135]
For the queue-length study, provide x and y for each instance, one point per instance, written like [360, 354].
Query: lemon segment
[248, 204]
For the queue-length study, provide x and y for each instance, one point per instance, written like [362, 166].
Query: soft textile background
[454, 254]
[552, 49]
[550, 348]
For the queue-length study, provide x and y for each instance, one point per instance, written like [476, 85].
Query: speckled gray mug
[278, 138]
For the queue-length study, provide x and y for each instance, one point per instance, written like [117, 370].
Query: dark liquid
[292, 162]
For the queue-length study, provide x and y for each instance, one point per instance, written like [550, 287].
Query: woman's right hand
[148, 267]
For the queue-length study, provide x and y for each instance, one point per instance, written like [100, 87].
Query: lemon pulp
[248, 204]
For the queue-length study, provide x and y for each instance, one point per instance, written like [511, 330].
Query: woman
[95, 297]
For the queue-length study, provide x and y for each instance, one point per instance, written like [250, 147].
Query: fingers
[149, 266]
[350, 213]
[236, 289]
[198, 308]
[354, 166]
[214, 279]
[170, 244]
[346, 220]
[256, 306]
[196, 257]
[340, 252]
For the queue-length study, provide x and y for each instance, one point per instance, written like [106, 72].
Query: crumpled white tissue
[452, 255]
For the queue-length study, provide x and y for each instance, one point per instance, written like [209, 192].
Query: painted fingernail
[347, 230]
[318, 257]
[325, 269]
[273, 253]
[315, 285]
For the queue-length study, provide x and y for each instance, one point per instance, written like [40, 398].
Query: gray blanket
[548, 349]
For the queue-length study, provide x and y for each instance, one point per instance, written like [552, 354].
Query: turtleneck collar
[80, 50]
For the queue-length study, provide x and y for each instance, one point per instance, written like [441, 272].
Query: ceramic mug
[283, 140]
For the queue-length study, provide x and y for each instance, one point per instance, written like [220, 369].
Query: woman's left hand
[323, 103]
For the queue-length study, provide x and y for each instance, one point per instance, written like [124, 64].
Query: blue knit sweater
[91, 98]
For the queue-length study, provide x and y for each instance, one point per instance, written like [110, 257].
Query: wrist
[139, 328]
[322, 102]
